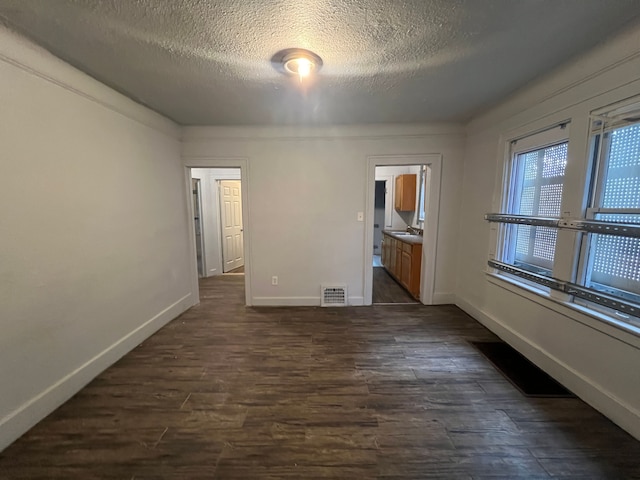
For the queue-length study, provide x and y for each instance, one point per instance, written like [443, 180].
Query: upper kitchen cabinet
[405, 194]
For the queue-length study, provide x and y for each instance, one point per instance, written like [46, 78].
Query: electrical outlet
[274, 280]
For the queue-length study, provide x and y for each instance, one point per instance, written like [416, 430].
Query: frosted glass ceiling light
[297, 61]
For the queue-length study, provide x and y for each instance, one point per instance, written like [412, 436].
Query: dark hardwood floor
[383, 392]
[387, 290]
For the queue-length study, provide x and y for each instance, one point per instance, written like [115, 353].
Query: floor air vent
[333, 296]
[523, 374]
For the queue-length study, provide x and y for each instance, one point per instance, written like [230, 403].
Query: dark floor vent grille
[523, 374]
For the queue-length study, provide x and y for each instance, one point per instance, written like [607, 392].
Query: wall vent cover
[333, 296]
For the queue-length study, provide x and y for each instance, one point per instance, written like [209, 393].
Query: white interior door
[231, 221]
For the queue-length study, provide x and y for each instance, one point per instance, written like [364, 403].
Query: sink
[401, 233]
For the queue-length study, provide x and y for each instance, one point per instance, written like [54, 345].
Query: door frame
[202, 246]
[429, 247]
[220, 162]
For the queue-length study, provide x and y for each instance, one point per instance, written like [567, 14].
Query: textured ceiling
[207, 62]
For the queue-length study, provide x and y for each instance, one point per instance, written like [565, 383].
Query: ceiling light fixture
[297, 62]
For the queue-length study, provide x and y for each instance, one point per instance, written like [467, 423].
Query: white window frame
[603, 122]
[569, 261]
[512, 190]
[422, 193]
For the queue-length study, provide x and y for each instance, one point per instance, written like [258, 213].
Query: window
[424, 182]
[600, 245]
[535, 190]
[612, 263]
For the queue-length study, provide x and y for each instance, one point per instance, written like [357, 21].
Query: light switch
[361, 216]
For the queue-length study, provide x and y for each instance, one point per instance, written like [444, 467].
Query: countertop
[403, 237]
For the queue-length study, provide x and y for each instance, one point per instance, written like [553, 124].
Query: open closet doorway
[401, 228]
[218, 222]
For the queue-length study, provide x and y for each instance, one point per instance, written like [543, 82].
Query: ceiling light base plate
[296, 62]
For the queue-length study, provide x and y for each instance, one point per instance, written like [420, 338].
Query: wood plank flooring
[387, 290]
[384, 392]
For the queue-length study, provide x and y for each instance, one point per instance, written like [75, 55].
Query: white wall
[210, 198]
[595, 360]
[305, 187]
[94, 250]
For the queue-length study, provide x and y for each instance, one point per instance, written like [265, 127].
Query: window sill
[594, 319]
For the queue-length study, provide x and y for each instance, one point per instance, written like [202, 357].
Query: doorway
[397, 208]
[210, 171]
[379, 221]
[411, 218]
[218, 222]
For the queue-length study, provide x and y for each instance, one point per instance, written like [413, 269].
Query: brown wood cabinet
[403, 261]
[405, 193]
[398, 255]
[386, 249]
[392, 252]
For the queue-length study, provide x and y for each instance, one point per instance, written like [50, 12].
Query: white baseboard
[285, 301]
[624, 415]
[31, 412]
[356, 301]
[298, 301]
